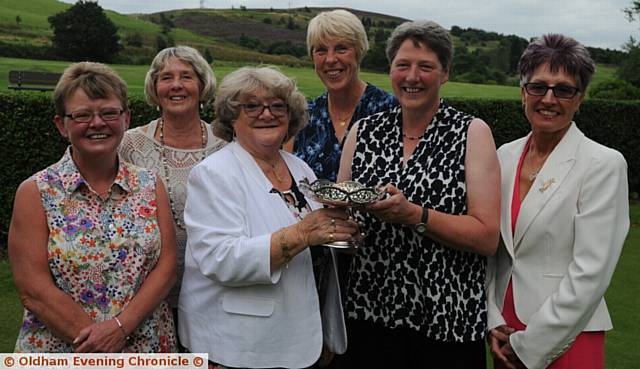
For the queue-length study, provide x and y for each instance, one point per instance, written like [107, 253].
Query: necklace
[165, 168]
[274, 168]
[533, 174]
[341, 121]
[412, 138]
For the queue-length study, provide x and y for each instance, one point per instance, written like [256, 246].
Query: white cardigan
[231, 305]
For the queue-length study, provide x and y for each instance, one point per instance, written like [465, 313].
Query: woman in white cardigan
[255, 284]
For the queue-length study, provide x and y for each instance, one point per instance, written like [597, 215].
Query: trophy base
[341, 245]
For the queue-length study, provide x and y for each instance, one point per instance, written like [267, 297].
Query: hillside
[33, 33]
[274, 36]
[262, 24]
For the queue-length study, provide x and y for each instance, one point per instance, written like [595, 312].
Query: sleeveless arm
[28, 239]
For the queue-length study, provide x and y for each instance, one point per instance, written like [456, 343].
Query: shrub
[27, 51]
[615, 89]
[31, 142]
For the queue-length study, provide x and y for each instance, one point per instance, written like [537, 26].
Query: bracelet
[285, 249]
[121, 328]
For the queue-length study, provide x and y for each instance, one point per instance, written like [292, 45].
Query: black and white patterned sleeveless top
[400, 278]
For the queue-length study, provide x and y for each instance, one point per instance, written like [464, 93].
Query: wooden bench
[28, 80]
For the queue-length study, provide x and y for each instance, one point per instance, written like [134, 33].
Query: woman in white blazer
[564, 219]
[254, 290]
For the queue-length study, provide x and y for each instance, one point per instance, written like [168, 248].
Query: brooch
[545, 186]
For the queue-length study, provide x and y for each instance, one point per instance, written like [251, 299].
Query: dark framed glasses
[253, 110]
[85, 116]
[559, 91]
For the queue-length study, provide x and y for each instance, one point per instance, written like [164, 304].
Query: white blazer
[568, 238]
[231, 306]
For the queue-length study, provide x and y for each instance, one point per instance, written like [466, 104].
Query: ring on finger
[331, 238]
[333, 222]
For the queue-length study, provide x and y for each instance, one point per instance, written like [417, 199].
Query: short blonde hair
[250, 80]
[337, 25]
[187, 55]
[97, 80]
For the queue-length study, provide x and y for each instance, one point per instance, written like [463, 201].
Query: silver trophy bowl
[346, 194]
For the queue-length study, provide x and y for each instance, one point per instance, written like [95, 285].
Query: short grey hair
[187, 55]
[97, 80]
[428, 33]
[563, 53]
[338, 25]
[248, 81]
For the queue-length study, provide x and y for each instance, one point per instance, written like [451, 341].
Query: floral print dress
[100, 252]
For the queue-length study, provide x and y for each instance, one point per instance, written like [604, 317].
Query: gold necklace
[165, 168]
[274, 168]
[344, 120]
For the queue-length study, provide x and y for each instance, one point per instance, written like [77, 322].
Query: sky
[596, 23]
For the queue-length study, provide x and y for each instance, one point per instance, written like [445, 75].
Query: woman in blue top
[337, 42]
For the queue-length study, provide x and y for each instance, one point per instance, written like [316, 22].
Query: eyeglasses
[86, 116]
[559, 91]
[254, 110]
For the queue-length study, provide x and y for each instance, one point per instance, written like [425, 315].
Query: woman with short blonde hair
[337, 43]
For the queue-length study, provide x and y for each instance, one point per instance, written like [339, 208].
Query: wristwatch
[422, 226]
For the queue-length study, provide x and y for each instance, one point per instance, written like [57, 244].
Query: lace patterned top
[141, 148]
[400, 278]
[317, 143]
[100, 252]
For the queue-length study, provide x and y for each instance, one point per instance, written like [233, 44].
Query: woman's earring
[201, 105]
[158, 108]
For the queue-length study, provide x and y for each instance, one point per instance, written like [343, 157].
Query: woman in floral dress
[91, 243]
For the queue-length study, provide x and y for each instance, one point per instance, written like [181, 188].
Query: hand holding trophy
[346, 195]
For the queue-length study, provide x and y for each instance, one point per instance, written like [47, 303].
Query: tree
[629, 69]
[18, 20]
[291, 24]
[83, 32]
[166, 24]
[633, 11]
[134, 39]
[207, 56]
[161, 43]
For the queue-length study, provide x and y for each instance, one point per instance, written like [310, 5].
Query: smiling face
[549, 114]
[96, 138]
[264, 134]
[178, 88]
[416, 76]
[336, 63]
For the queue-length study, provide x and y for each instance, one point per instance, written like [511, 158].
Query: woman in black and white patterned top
[416, 288]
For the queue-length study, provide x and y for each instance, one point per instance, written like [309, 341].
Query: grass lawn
[307, 80]
[623, 299]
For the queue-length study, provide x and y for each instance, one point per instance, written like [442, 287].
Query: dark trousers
[372, 346]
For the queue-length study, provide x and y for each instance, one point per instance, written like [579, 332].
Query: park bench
[29, 80]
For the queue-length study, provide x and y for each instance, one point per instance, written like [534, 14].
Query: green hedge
[30, 141]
